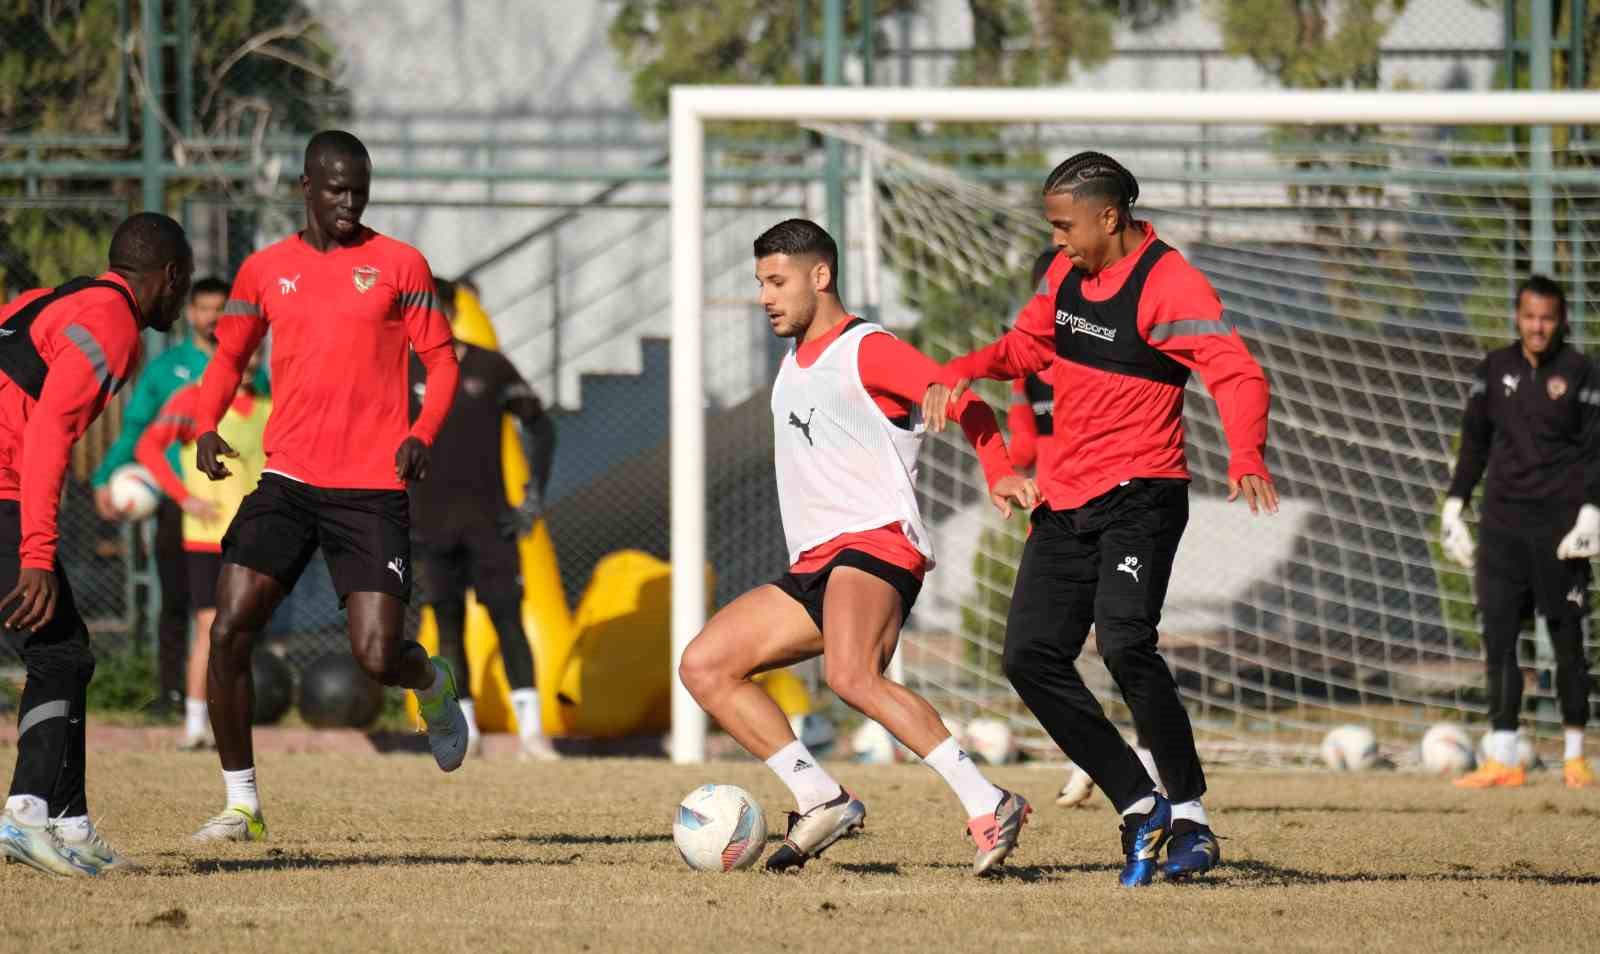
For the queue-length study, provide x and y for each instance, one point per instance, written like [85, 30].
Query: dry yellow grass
[386, 853]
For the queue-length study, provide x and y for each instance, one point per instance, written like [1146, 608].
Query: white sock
[28, 809]
[1574, 743]
[1192, 810]
[1149, 759]
[799, 770]
[241, 786]
[1503, 747]
[434, 688]
[75, 828]
[525, 706]
[978, 795]
[196, 719]
[1142, 806]
[470, 710]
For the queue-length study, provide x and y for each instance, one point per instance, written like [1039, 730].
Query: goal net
[1368, 263]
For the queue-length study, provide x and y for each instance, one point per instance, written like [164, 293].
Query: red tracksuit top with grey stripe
[1122, 342]
[90, 343]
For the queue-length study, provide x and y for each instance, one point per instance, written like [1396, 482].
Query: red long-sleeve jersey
[89, 341]
[896, 375]
[1110, 426]
[341, 321]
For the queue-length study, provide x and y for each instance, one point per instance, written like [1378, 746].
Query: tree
[260, 66]
[1015, 42]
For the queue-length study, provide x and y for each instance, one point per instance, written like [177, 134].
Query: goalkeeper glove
[1583, 540]
[1453, 532]
[520, 520]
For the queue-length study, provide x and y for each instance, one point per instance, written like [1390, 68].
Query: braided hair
[1095, 175]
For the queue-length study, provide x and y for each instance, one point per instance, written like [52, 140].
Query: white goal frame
[693, 106]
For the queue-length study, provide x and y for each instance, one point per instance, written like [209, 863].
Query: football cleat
[95, 850]
[1577, 773]
[448, 734]
[996, 834]
[810, 834]
[537, 748]
[234, 824]
[1078, 790]
[1142, 839]
[1192, 850]
[38, 847]
[1492, 774]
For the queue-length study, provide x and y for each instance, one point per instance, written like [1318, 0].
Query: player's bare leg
[861, 624]
[377, 622]
[245, 601]
[761, 630]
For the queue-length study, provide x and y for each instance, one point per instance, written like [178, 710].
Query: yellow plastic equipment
[545, 615]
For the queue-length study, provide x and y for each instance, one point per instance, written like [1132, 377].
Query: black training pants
[1105, 564]
[51, 724]
[172, 627]
[1518, 572]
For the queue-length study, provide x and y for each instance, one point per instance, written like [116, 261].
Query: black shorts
[807, 589]
[365, 536]
[1518, 571]
[204, 568]
[450, 561]
[59, 648]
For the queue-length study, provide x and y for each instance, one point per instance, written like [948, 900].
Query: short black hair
[210, 285]
[148, 242]
[1095, 175]
[800, 237]
[1542, 285]
[334, 144]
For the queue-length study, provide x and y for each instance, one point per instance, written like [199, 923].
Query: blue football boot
[1193, 850]
[1142, 838]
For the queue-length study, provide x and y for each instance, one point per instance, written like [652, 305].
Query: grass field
[386, 853]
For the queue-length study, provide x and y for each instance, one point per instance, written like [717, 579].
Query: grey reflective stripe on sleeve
[39, 713]
[80, 336]
[1189, 328]
[517, 389]
[1586, 396]
[418, 299]
[238, 306]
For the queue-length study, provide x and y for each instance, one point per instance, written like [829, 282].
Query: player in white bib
[847, 429]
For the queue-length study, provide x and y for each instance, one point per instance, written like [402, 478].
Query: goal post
[692, 107]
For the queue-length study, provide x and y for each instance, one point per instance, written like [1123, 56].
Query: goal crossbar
[693, 106]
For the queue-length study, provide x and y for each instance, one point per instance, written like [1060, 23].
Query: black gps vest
[1105, 334]
[19, 358]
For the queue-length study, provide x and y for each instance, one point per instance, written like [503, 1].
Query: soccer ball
[815, 731]
[1350, 748]
[719, 828]
[134, 493]
[1447, 750]
[1527, 756]
[990, 740]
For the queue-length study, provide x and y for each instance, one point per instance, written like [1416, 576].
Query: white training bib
[842, 467]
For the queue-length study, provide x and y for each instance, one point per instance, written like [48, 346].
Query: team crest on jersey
[364, 276]
[1556, 387]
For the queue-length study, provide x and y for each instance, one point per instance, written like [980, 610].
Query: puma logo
[288, 285]
[805, 426]
[1130, 566]
[398, 565]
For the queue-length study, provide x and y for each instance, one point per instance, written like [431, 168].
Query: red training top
[340, 322]
[895, 375]
[1112, 427]
[90, 343]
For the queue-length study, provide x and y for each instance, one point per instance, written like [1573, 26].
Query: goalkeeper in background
[465, 532]
[1533, 420]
